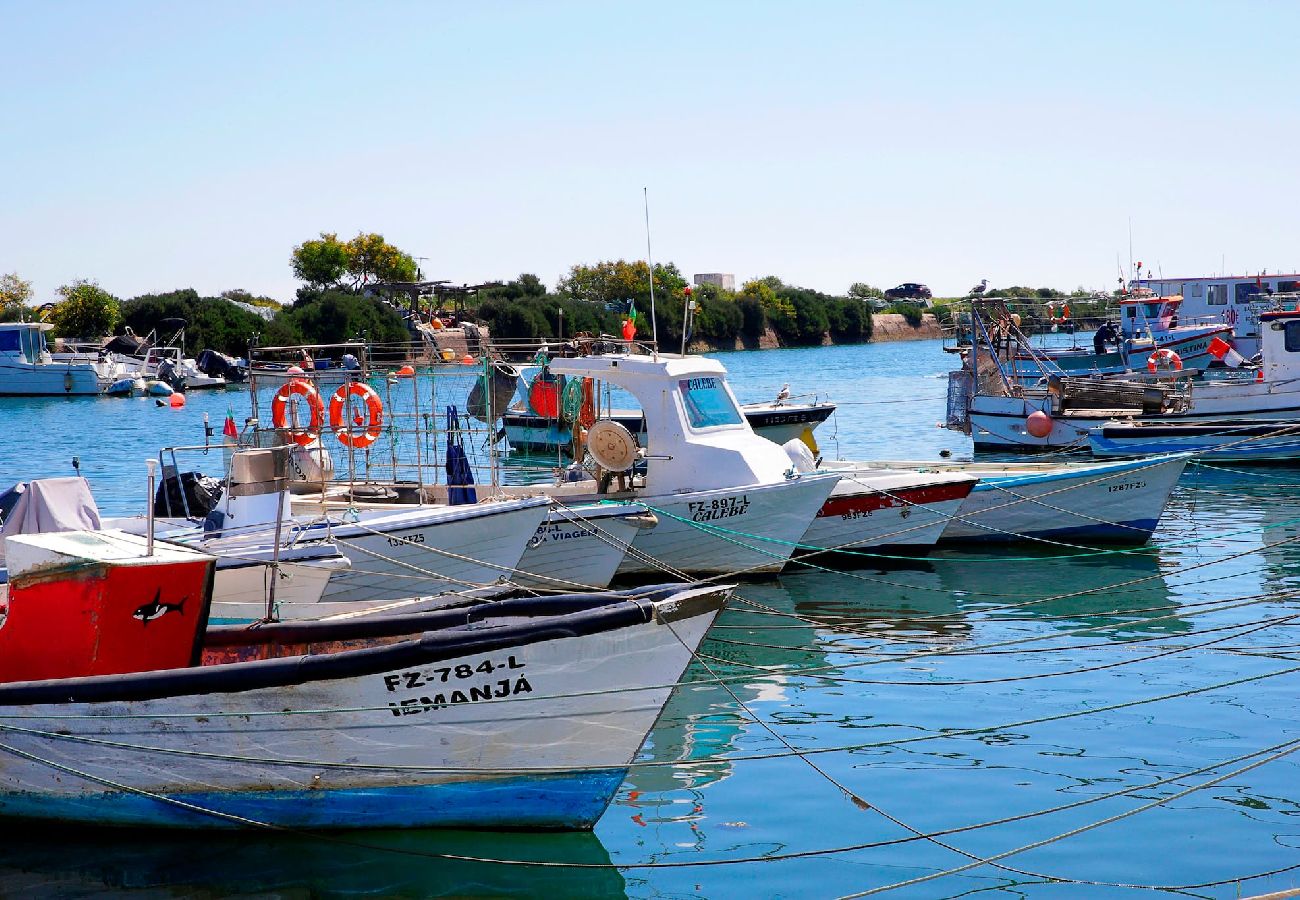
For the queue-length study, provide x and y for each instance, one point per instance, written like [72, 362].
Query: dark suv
[909, 291]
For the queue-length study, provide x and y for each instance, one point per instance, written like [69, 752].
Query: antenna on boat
[654, 324]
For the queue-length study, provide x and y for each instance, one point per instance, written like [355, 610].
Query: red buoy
[1039, 424]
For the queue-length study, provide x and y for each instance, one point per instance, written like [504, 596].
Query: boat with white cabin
[28, 368]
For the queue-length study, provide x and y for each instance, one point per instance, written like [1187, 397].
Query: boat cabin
[1280, 342]
[24, 342]
[700, 438]
[1145, 314]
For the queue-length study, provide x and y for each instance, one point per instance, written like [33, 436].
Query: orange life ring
[374, 415]
[279, 410]
[1164, 354]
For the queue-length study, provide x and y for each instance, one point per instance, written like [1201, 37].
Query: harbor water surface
[1128, 712]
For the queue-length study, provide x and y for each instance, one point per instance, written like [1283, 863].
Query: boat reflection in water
[37, 861]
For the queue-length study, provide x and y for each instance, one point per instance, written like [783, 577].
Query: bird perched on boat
[979, 288]
[783, 394]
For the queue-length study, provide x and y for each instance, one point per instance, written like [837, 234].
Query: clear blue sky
[151, 146]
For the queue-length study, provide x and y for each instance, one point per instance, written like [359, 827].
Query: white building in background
[724, 280]
[1236, 300]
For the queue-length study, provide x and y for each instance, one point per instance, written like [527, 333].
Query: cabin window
[9, 340]
[708, 403]
[1132, 312]
[1216, 294]
[1288, 287]
[1248, 291]
[1196, 290]
[1293, 337]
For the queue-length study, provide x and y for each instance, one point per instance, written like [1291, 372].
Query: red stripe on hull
[872, 500]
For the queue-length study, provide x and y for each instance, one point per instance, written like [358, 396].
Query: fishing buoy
[406, 372]
[1259, 374]
[176, 401]
[1039, 424]
[467, 360]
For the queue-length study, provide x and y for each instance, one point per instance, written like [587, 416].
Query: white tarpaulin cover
[51, 504]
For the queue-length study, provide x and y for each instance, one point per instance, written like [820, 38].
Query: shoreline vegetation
[363, 289]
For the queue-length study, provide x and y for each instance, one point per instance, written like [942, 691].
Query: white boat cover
[49, 504]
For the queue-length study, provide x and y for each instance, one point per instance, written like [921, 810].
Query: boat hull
[432, 550]
[1110, 502]
[858, 515]
[530, 732]
[743, 530]
[577, 547]
[1279, 443]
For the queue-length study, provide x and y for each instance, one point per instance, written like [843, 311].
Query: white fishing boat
[1225, 440]
[725, 500]
[27, 367]
[524, 714]
[1147, 325]
[879, 507]
[1117, 501]
[1000, 414]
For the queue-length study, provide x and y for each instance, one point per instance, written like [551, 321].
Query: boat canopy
[45, 505]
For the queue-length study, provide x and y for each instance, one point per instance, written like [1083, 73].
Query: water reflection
[53, 862]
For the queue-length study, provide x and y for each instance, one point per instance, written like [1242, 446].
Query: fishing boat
[523, 714]
[878, 507]
[725, 499]
[1226, 440]
[1147, 325]
[540, 420]
[245, 569]
[1118, 501]
[394, 553]
[999, 413]
[28, 368]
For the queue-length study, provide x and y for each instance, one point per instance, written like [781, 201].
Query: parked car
[909, 290]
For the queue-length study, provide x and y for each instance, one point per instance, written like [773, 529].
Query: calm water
[943, 693]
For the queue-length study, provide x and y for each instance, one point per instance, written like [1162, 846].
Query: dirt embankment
[893, 327]
[885, 327]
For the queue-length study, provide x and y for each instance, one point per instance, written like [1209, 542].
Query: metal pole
[152, 465]
[654, 324]
[275, 547]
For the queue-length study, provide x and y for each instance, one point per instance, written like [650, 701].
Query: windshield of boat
[707, 402]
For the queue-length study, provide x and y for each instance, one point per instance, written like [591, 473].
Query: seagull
[979, 288]
[783, 394]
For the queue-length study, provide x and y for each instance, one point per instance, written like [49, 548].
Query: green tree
[860, 290]
[87, 310]
[320, 263]
[370, 258]
[14, 292]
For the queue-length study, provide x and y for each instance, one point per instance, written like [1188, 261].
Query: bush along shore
[368, 289]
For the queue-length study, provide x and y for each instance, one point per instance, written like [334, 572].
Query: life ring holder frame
[1167, 355]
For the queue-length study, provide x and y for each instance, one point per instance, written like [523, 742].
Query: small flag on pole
[1223, 352]
[229, 429]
